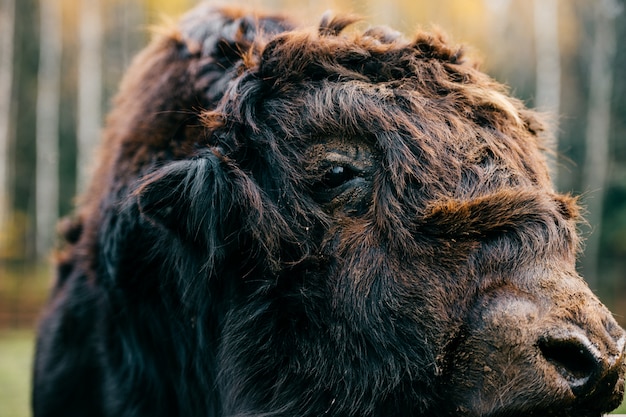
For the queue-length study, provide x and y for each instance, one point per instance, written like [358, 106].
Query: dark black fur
[296, 223]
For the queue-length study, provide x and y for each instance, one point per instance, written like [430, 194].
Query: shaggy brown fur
[302, 222]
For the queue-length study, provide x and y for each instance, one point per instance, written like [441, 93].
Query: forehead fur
[427, 67]
[421, 100]
[428, 63]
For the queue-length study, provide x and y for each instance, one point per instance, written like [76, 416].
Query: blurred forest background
[61, 62]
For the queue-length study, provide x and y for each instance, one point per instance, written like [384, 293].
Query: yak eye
[337, 175]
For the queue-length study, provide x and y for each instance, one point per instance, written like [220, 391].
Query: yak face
[366, 227]
[397, 246]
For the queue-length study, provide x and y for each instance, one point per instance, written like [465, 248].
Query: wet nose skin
[578, 338]
[588, 368]
[527, 355]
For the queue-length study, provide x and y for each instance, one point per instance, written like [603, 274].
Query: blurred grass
[23, 291]
[16, 353]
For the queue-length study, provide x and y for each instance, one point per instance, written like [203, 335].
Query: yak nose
[587, 367]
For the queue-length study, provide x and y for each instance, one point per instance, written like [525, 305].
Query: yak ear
[189, 197]
[209, 201]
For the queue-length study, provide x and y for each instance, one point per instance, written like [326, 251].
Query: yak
[327, 221]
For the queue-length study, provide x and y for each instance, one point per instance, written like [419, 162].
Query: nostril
[575, 358]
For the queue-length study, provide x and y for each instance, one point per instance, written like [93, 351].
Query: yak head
[365, 225]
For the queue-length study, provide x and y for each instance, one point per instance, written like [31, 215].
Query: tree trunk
[548, 85]
[47, 136]
[7, 33]
[89, 87]
[598, 126]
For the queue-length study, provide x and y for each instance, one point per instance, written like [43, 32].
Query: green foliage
[16, 353]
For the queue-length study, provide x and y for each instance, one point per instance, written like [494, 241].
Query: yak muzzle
[522, 355]
[587, 367]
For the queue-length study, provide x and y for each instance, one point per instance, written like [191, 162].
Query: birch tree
[598, 127]
[47, 133]
[89, 87]
[7, 33]
[548, 68]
